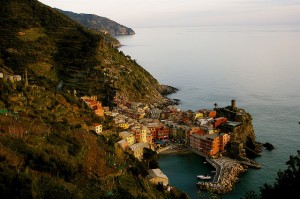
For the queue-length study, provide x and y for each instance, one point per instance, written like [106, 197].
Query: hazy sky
[149, 13]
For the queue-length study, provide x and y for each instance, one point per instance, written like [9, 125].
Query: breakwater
[226, 175]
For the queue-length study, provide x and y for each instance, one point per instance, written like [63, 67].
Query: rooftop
[156, 173]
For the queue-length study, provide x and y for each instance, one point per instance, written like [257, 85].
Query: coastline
[226, 175]
[226, 170]
[175, 149]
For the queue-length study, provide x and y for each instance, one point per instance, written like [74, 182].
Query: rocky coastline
[166, 90]
[227, 172]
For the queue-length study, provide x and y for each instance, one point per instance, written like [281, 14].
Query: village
[150, 127]
[160, 128]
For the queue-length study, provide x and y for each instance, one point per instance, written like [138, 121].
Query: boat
[203, 177]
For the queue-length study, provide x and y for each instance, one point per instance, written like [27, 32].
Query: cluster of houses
[147, 126]
[150, 127]
[12, 78]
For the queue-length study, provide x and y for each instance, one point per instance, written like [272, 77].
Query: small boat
[203, 177]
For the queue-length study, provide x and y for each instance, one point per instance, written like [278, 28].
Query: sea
[259, 67]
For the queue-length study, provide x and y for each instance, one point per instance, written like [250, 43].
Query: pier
[227, 171]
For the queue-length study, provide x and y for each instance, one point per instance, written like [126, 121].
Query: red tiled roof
[96, 124]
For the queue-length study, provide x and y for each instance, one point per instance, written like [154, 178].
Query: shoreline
[175, 149]
[226, 170]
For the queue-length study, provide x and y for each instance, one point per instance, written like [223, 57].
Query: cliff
[242, 136]
[99, 23]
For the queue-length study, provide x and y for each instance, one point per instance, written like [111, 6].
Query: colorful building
[129, 137]
[141, 133]
[209, 144]
[159, 131]
[123, 125]
[218, 121]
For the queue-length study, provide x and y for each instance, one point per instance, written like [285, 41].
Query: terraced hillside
[58, 52]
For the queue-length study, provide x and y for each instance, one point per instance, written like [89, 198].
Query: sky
[162, 13]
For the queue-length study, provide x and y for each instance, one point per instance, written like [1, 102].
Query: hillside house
[129, 137]
[13, 78]
[156, 176]
[155, 113]
[97, 128]
[123, 125]
[137, 150]
[123, 144]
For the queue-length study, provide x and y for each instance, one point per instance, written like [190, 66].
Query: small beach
[176, 149]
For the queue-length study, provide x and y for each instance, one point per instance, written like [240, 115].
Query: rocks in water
[166, 90]
[228, 177]
[268, 146]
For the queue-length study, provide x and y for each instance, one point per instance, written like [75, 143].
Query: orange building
[209, 144]
[159, 131]
[218, 121]
[212, 113]
[207, 113]
[195, 130]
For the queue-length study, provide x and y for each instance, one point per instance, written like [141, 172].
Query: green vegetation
[286, 184]
[57, 51]
[46, 148]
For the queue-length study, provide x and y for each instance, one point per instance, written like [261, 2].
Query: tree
[286, 184]
[150, 158]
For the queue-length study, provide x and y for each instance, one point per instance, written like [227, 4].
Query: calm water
[259, 67]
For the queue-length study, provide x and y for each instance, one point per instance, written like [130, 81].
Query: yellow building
[129, 137]
[138, 150]
[141, 133]
[198, 115]
[123, 125]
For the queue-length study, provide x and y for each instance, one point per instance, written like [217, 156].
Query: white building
[156, 176]
[97, 128]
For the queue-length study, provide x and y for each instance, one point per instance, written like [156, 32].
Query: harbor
[224, 174]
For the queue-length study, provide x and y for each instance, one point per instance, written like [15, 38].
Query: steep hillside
[46, 148]
[61, 54]
[98, 23]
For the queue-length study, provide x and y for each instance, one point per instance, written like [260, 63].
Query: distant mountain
[47, 150]
[98, 23]
[54, 48]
